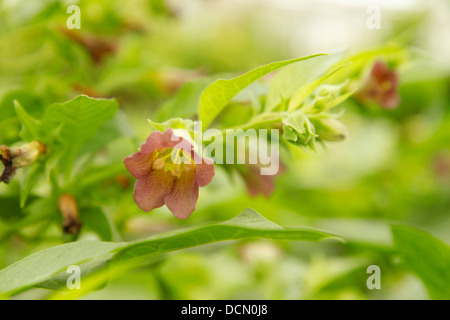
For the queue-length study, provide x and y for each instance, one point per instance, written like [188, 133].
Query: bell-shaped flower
[256, 183]
[168, 171]
[381, 86]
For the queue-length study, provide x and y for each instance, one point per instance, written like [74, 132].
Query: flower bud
[330, 129]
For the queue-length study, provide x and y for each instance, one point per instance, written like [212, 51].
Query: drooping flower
[258, 169]
[381, 87]
[18, 157]
[168, 171]
[256, 183]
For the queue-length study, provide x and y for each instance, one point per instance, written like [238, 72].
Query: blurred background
[154, 56]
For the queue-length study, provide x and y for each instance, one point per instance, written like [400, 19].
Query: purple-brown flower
[381, 87]
[168, 171]
[258, 184]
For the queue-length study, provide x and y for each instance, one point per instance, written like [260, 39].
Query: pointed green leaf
[30, 177]
[95, 220]
[44, 265]
[185, 102]
[218, 94]
[338, 100]
[427, 256]
[305, 91]
[31, 128]
[328, 128]
[288, 80]
[80, 118]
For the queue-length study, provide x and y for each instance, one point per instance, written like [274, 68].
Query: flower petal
[390, 101]
[258, 184]
[159, 140]
[150, 191]
[183, 198]
[139, 164]
[162, 183]
[388, 96]
[204, 172]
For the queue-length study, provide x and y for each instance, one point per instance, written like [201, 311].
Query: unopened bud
[330, 129]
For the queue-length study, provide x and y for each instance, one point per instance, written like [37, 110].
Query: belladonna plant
[168, 171]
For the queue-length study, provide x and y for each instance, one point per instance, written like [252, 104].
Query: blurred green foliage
[153, 59]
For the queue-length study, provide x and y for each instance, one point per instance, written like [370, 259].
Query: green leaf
[95, 174]
[32, 102]
[393, 54]
[305, 91]
[427, 256]
[30, 177]
[338, 100]
[249, 224]
[31, 128]
[327, 127]
[81, 118]
[327, 97]
[235, 115]
[218, 94]
[42, 266]
[110, 130]
[38, 211]
[185, 102]
[95, 220]
[288, 80]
